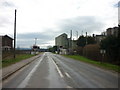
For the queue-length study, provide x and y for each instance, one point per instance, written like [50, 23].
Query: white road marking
[69, 87]
[57, 68]
[26, 80]
[67, 75]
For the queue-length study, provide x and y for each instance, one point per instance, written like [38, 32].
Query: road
[55, 71]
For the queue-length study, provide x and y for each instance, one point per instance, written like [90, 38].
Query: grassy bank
[103, 65]
[19, 57]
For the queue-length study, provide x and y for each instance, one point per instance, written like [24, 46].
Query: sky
[46, 19]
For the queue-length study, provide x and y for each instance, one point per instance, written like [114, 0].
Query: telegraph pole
[15, 34]
[82, 32]
[35, 41]
[86, 38]
[71, 38]
[86, 44]
[76, 35]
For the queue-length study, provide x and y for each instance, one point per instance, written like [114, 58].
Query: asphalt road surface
[55, 71]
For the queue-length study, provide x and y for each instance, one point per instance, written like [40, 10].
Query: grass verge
[103, 65]
[19, 57]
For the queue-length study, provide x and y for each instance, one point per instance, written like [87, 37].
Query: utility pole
[82, 32]
[86, 44]
[71, 38]
[15, 34]
[76, 35]
[86, 38]
[35, 41]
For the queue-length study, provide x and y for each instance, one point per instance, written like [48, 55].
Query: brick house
[7, 42]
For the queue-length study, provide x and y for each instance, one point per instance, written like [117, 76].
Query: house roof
[62, 35]
[7, 36]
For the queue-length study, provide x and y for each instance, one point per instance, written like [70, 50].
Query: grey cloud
[117, 5]
[85, 23]
[7, 4]
[34, 35]
[81, 23]
[4, 21]
[28, 39]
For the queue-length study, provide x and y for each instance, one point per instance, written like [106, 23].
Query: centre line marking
[67, 75]
[69, 87]
[58, 69]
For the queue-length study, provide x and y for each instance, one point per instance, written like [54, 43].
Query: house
[6, 42]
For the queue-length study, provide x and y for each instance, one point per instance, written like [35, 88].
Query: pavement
[9, 70]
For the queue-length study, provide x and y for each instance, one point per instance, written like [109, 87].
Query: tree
[82, 41]
[55, 48]
[111, 44]
[91, 40]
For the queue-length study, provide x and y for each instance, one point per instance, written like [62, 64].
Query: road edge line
[11, 73]
[23, 83]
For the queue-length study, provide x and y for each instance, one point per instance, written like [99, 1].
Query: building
[7, 42]
[74, 44]
[65, 45]
[62, 41]
[112, 31]
[98, 38]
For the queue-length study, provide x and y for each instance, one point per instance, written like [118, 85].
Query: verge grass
[97, 63]
[19, 57]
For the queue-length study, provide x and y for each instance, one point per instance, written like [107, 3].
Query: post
[76, 35]
[86, 38]
[15, 34]
[35, 41]
[82, 33]
[86, 44]
[71, 39]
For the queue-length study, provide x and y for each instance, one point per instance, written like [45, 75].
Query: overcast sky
[46, 19]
